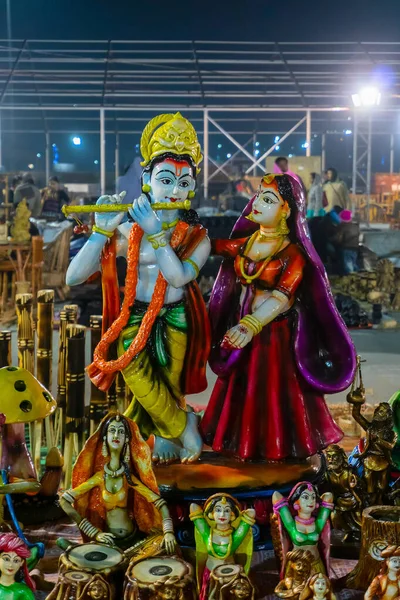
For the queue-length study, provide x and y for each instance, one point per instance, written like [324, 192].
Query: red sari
[264, 409]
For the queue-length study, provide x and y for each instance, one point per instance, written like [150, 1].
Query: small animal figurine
[298, 570]
[15, 582]
[386, 585]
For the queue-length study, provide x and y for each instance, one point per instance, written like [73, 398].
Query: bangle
[247, 519]
[280, 504]
[252, 323]
[157, 240]
[68, 496]
[193, 264]
[167, 525]
[86, 527]
[326, 504]
[160, 503]
[96, 229]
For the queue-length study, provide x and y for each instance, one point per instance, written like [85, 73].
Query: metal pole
[355, 135]
[254, 153]
[392, 153]
[323, 153]
[308, 133]
[47, 134]
[102, 153]
[1, 148]
[116, 158]
[369, 164]
[205, 142]
[232, 139]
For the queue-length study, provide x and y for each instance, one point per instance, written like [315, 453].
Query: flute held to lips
[109, 208]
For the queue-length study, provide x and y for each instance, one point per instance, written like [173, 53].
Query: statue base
[251, 483]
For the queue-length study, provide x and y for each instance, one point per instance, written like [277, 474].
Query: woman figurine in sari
[162, 329]
[15, 582]
[303, 524]
[318, 587]
[279, 342]
[115, 498]
[223, 536]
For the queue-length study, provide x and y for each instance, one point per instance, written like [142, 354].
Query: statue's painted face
[10, 563]
[169, 593]
[171, 181]
[222, 513]
[269, 207]
[97, 590]
[320, 586]
[307, 501]
[116, 435]
[242, 589]
[300, 567]
[334, 460]
[394, 563]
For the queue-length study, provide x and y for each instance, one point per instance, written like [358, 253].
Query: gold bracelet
[197, 514]
[252, 323]
[157, 240]
[193, 264]
[96, 229]
[247, 519]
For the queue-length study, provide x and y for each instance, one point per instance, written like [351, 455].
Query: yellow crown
[169, 133]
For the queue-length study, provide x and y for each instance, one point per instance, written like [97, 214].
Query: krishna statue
[161, 332]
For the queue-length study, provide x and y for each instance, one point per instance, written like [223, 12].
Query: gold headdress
[169, 133]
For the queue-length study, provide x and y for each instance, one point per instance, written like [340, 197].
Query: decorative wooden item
[380, 528]
[21, 226]
[160, 578]
[44, 353]
[98, 399]
[5, 348]
[228, 582]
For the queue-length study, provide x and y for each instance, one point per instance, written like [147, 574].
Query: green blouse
[299, 538]
[16, 591]
[233, 541]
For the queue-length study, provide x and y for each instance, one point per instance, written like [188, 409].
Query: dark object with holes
[352, 313]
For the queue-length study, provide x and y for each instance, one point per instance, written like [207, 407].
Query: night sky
[256, 20]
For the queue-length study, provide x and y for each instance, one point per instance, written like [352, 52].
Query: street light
[367, 97]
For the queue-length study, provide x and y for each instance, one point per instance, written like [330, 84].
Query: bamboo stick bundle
[98, 400]
[5, 348]
[75, 397]
[68, 315]
[44, 352]
[37, 264]
[120, 391]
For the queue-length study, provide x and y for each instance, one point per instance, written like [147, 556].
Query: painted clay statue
[228, 583]
[386, 585]
[223, 536]
[303, 524]
[318, 587]
[15, 582]
[345, 487]
[162, 327]
[298, 570]
[373, 456]
[279, 342]
[115, 495]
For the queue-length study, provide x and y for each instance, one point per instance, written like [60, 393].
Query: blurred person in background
[315, 205]
[130, 181]
[346, 243]
[53, 199]
[16, 180]
[282, 166]
[28, 191]
[335, 192]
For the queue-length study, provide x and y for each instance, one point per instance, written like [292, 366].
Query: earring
[296, 506]
[191, 194]
[317, 505]
[283, 228]
[146, 188]
[104, 449]
[127, 455]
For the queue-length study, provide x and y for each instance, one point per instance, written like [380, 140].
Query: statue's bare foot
[191, 441]
[166, 451]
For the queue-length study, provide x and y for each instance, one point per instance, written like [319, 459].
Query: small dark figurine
[386, 585]
[375, 450]
[298, 571]
[344, 485]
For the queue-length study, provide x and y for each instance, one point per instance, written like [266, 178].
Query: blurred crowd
[43, 204]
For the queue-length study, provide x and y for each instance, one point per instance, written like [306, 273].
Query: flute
[109, 208]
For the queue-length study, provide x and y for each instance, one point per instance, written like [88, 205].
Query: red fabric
[193, 378]
[264, 409]
[205, 582]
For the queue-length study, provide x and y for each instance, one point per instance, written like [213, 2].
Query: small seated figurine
[386, 585]
[115, 494]
[223, 536]
[15, 582]
[241, 589]
[96, 589]
[303, 524]
[344, 485]
[298, 571]
[318, 588]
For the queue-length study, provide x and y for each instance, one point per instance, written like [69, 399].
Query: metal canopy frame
[230, 88]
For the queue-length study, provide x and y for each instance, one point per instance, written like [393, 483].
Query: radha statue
[161, 330]
[279, 342]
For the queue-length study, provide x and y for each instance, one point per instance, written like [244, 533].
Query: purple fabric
[324, 351]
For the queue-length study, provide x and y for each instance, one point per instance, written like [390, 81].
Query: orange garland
[156, 304]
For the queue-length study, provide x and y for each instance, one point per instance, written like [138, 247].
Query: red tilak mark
[179, 165]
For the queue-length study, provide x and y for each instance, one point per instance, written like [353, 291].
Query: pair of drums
[96, 572]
